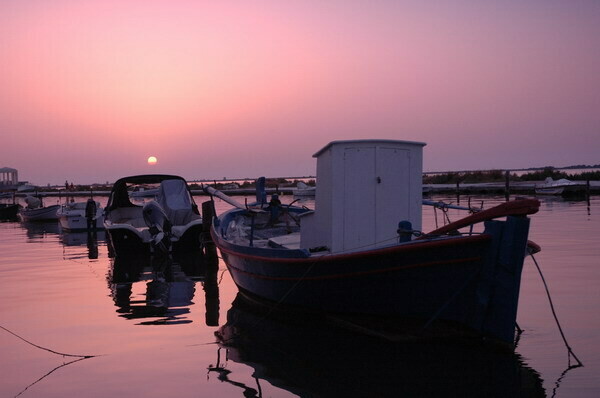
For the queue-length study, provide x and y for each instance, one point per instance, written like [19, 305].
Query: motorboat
[143, 192]
[303, 190]
[171, 222]
[361, 251]
[559, 187]
[36, 211]
[72, 216]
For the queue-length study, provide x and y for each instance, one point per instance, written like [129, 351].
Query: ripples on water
[153, 324]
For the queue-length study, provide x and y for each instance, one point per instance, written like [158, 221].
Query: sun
[152, 160]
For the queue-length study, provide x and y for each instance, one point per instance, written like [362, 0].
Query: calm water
[151, 327]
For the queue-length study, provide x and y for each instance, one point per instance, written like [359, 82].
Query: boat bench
[290, 241]
[128, 215]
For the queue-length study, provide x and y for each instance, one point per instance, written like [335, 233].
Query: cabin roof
[119, 196]
[373, 141]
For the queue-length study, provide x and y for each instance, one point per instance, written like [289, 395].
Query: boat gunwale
[358, 273]
[404, 247]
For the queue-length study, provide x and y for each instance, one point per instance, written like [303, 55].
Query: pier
[485, 188]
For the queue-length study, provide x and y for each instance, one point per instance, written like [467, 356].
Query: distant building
[9, 177]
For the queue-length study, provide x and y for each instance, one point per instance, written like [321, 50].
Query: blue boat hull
[473, 280]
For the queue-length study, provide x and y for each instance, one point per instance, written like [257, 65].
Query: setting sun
[152, 160]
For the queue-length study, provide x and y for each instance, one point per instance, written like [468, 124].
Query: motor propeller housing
[159, 226]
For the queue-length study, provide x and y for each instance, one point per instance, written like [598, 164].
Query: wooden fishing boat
[355, 253]
[171, 222]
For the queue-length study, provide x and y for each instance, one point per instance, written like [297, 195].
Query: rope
[569, 349]
[49, 373]
[46, 349]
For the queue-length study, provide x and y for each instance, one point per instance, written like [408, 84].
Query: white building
[9, 177]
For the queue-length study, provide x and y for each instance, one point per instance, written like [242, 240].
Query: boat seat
[128, 215]
[290, 241]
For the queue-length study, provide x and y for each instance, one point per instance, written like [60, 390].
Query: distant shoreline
[533, 169]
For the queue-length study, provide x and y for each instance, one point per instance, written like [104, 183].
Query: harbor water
[76, 322]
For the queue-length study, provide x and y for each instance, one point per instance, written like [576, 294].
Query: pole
[507, 185]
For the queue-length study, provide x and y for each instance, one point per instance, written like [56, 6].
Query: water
[153, 333]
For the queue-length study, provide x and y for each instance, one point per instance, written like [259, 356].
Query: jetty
[489, 188]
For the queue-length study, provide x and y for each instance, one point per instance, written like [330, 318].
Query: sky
[90, 89]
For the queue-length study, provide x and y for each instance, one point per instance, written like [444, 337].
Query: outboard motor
[159, 226]
[33, 202]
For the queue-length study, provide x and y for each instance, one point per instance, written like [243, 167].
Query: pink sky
[90, 89]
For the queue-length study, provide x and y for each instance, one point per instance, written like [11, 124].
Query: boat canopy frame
[119, 196]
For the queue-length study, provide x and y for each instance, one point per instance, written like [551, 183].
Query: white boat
[303, 190]
[72, 216]
[170, 223]
[47, 213]
[36, 211]
[558, 187]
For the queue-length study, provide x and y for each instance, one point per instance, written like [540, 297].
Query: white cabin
[366, 187]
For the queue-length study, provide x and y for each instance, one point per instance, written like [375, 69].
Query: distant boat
[558, 187]
[303, 190]
[171, 222]
[232, 185]
[72, 216]
[47, 213]
[143, 192]
[26, 188]
[354, 254]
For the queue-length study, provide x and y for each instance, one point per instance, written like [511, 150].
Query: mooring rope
[49, 373]
[569, 349]
[46, 349]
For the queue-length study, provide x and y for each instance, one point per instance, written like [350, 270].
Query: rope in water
[46, 349]
[569, 349]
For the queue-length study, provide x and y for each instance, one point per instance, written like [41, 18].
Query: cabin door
[359, 198]
[392, 193]
[376, 195]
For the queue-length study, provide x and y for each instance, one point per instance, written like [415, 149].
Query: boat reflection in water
[91, 239]
[170, 287]
[38, 231]
[324, 360]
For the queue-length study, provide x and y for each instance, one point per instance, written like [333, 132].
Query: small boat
[303, 190]
[171, 222]
[72, 216]
[36, 211]
[39, 214]
[9, 211]
[355, 253]
[559, 187]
